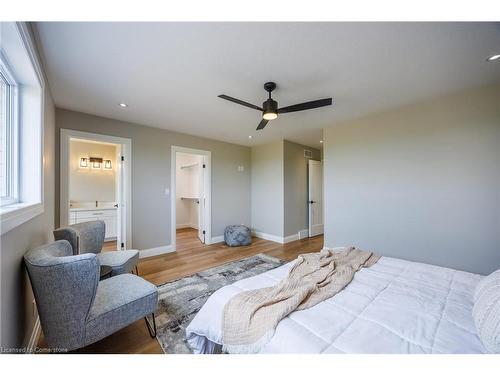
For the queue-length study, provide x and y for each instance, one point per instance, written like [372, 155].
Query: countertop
[76, 209]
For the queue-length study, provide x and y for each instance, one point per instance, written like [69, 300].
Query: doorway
[190, 196]
[315, 197]
[95, 184]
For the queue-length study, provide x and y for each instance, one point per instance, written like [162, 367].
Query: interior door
[315, 199]
[119, 198]
[201, 200]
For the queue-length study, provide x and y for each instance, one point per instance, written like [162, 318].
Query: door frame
[126, 179]
[309, 205]
[207, 219]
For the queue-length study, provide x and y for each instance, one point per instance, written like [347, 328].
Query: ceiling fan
[270, 108]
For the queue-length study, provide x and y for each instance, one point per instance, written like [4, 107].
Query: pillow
[486, 311]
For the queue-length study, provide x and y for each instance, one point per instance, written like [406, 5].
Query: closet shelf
[189, 166]
[192, 198]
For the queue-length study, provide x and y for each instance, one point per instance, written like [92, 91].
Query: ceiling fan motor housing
[270, 106]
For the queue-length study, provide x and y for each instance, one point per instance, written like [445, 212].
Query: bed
[395, 306]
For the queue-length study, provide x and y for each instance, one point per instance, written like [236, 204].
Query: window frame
[11, 151]
[22, 55]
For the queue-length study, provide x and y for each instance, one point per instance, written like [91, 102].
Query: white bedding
[395, 306]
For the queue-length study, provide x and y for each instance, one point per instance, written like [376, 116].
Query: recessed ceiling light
[493, 58]
[249, 137]
[123, 105]
[320, 141]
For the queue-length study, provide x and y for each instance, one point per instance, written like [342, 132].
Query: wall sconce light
[96, 162]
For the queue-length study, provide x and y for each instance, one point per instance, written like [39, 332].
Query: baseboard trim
[274, 238]
[217, 239]
[269, 237]
[35, 336]
[304, 233]
[293, 237]
[146, 253]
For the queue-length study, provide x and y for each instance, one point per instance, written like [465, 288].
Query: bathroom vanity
[107, 214]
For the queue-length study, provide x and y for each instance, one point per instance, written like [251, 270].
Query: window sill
[17, 214]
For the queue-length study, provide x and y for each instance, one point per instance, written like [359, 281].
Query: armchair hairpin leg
[152, 330]
[136, 270]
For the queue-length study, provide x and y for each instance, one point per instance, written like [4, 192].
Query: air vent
[308, 154]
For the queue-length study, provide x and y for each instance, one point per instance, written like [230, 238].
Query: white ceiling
[171, 73]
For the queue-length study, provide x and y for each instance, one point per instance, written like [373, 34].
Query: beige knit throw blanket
[250, 318]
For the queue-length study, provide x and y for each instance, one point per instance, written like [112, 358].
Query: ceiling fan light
[270, 110]
[270, 116]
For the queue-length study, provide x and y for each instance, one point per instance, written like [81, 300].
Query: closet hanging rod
[189, 166]
[191, 199]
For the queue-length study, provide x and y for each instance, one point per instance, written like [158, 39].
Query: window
[21, 127]
[8, 136]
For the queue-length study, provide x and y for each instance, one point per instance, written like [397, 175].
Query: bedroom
[352, 168]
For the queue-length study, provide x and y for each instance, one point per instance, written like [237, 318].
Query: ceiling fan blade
[307, 105]
[241, 102]
[262, 124]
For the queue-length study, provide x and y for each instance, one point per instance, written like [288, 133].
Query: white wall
[279, 188]
[296, 186]
[267, 188]
[421, 182]
[89, 184]
[187, 180]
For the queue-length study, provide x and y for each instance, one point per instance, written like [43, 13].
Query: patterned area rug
[180, 300]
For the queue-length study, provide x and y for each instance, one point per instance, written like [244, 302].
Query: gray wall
[267, 188]
[419, 183]
[151, 149]
[296, 189]
[17, 320]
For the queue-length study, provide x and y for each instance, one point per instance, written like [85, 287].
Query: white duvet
[395, 306]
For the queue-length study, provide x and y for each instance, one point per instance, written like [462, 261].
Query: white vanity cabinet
[108, 215]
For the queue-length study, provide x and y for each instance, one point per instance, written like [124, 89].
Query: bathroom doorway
[95, 184]
[190, 197]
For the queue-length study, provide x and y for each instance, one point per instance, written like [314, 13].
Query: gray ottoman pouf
[237, 235]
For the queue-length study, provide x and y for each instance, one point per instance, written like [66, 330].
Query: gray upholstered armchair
[88, 237]
[75, 308]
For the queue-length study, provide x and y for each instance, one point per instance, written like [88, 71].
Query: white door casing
[119, 196]
[207, 206]
[124, 177]
[201, 200]
[315, 197]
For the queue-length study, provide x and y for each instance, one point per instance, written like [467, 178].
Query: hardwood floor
[109, 246]
[191, 257]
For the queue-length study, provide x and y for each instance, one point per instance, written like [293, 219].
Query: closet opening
[190, 197]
